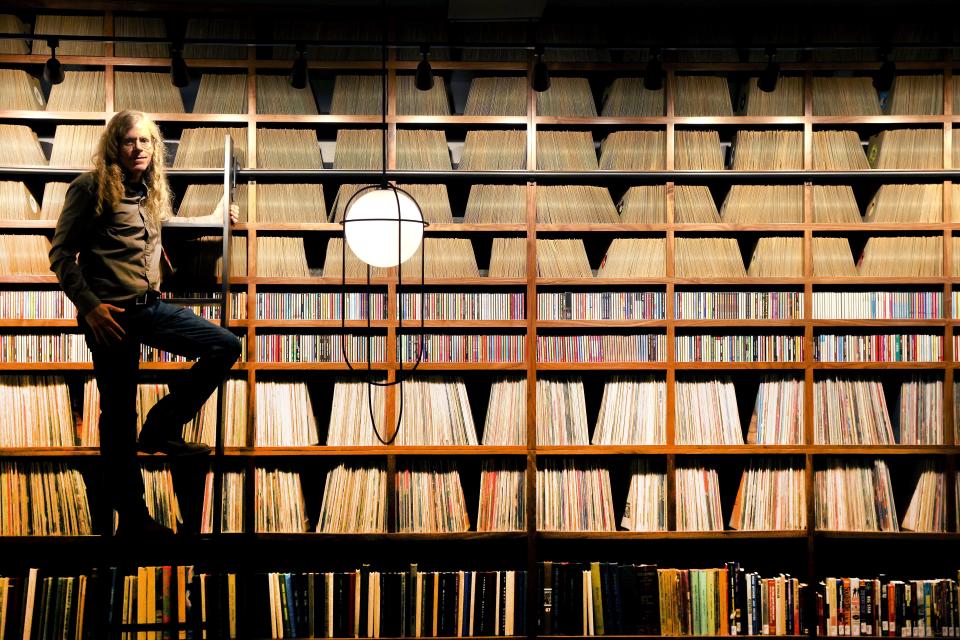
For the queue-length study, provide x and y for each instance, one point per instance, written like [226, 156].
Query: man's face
[136, 150]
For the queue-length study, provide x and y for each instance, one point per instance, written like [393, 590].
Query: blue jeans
[169, 328]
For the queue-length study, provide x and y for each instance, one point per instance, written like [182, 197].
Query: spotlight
[767, 82]
[653, 78]
[298, 74]
[883, 80]
[53, 70]
[541, 75]
[179, 73]
[423, 80]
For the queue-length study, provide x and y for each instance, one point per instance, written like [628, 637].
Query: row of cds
[848, 410]
[487, 96]
[496, 150]
[571, 496]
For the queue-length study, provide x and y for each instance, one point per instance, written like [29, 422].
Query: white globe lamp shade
[371, 227]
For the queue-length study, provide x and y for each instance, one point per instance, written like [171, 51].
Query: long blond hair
[109, 171]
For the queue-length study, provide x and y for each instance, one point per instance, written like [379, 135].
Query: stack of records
[646, 507]
[282, 257]
[20, 91]
[24, 255]
[832, 258]
[506, 422]
[772, 497]
[759, 204]
[838, 151]
[203, 199]
[508, 258]
[778, 414]
[702, 96]
[694, 205]
[17, 203]
[343, 31]
[567, 98]
[52, 498]
[498, 96]
[916, 96]
[19, 146]
[491, 150]
[424, 150]
[12, 24]
[903, 257]
[75, 145]
[291, 203]
[284, 415]
[708, 258]
[413, 102]
[278, 504]
[218, 29]
[698, 151]
[354, 500]
[698, 498]
[906, 203]
[768, 150]
[142, 91]
[627, 98]
[202, 148]
[221, 93]
[927, 510]
[562, 259]
[140, 27]
[275, 95]
[436, 412]
[69, 26]
[835, 204]
[429, 498]
[357, 96]
[561, 412]
[574, 495]
[433, 201]
[484, 33]
[644, 205]
[288, 149]
[359, 149]
[921, 413]
[854, 495]
[161, 499]
[496, 204]
[785, 100]
[203, 257]
[232, 505]
[575, 205]
[706, 412]
[502, 497]
[634, 151]
[906, 149]
[566, 151]
[777, 258]
[634, 258]
[845, 97]
[38, 412]
[632, 412]
[351, 424]
[851, 411]
[445, 258]
[339, 207]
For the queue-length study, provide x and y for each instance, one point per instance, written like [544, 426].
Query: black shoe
[145, 527]
[171, 446]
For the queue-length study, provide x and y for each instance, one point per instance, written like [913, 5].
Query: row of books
[602, 348]
[572, 495]
[847, 410]
[568, 305]
[606, 598]
[878, 348]
[738, 348]
[877, 607]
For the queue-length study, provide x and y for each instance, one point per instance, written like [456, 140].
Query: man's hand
[234, 213]
[106, 330]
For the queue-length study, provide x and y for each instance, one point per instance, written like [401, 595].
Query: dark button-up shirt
[107, 258]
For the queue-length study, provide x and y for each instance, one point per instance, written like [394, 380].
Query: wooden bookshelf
[669, 367]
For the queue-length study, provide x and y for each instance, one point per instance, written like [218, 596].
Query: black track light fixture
[298, 74]
[52, 69]
[767, 82]
[541, 75]
[883, 80]
[423, 80]
[179, 73]
[653, 77]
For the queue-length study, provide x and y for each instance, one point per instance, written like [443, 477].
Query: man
[106, 254]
